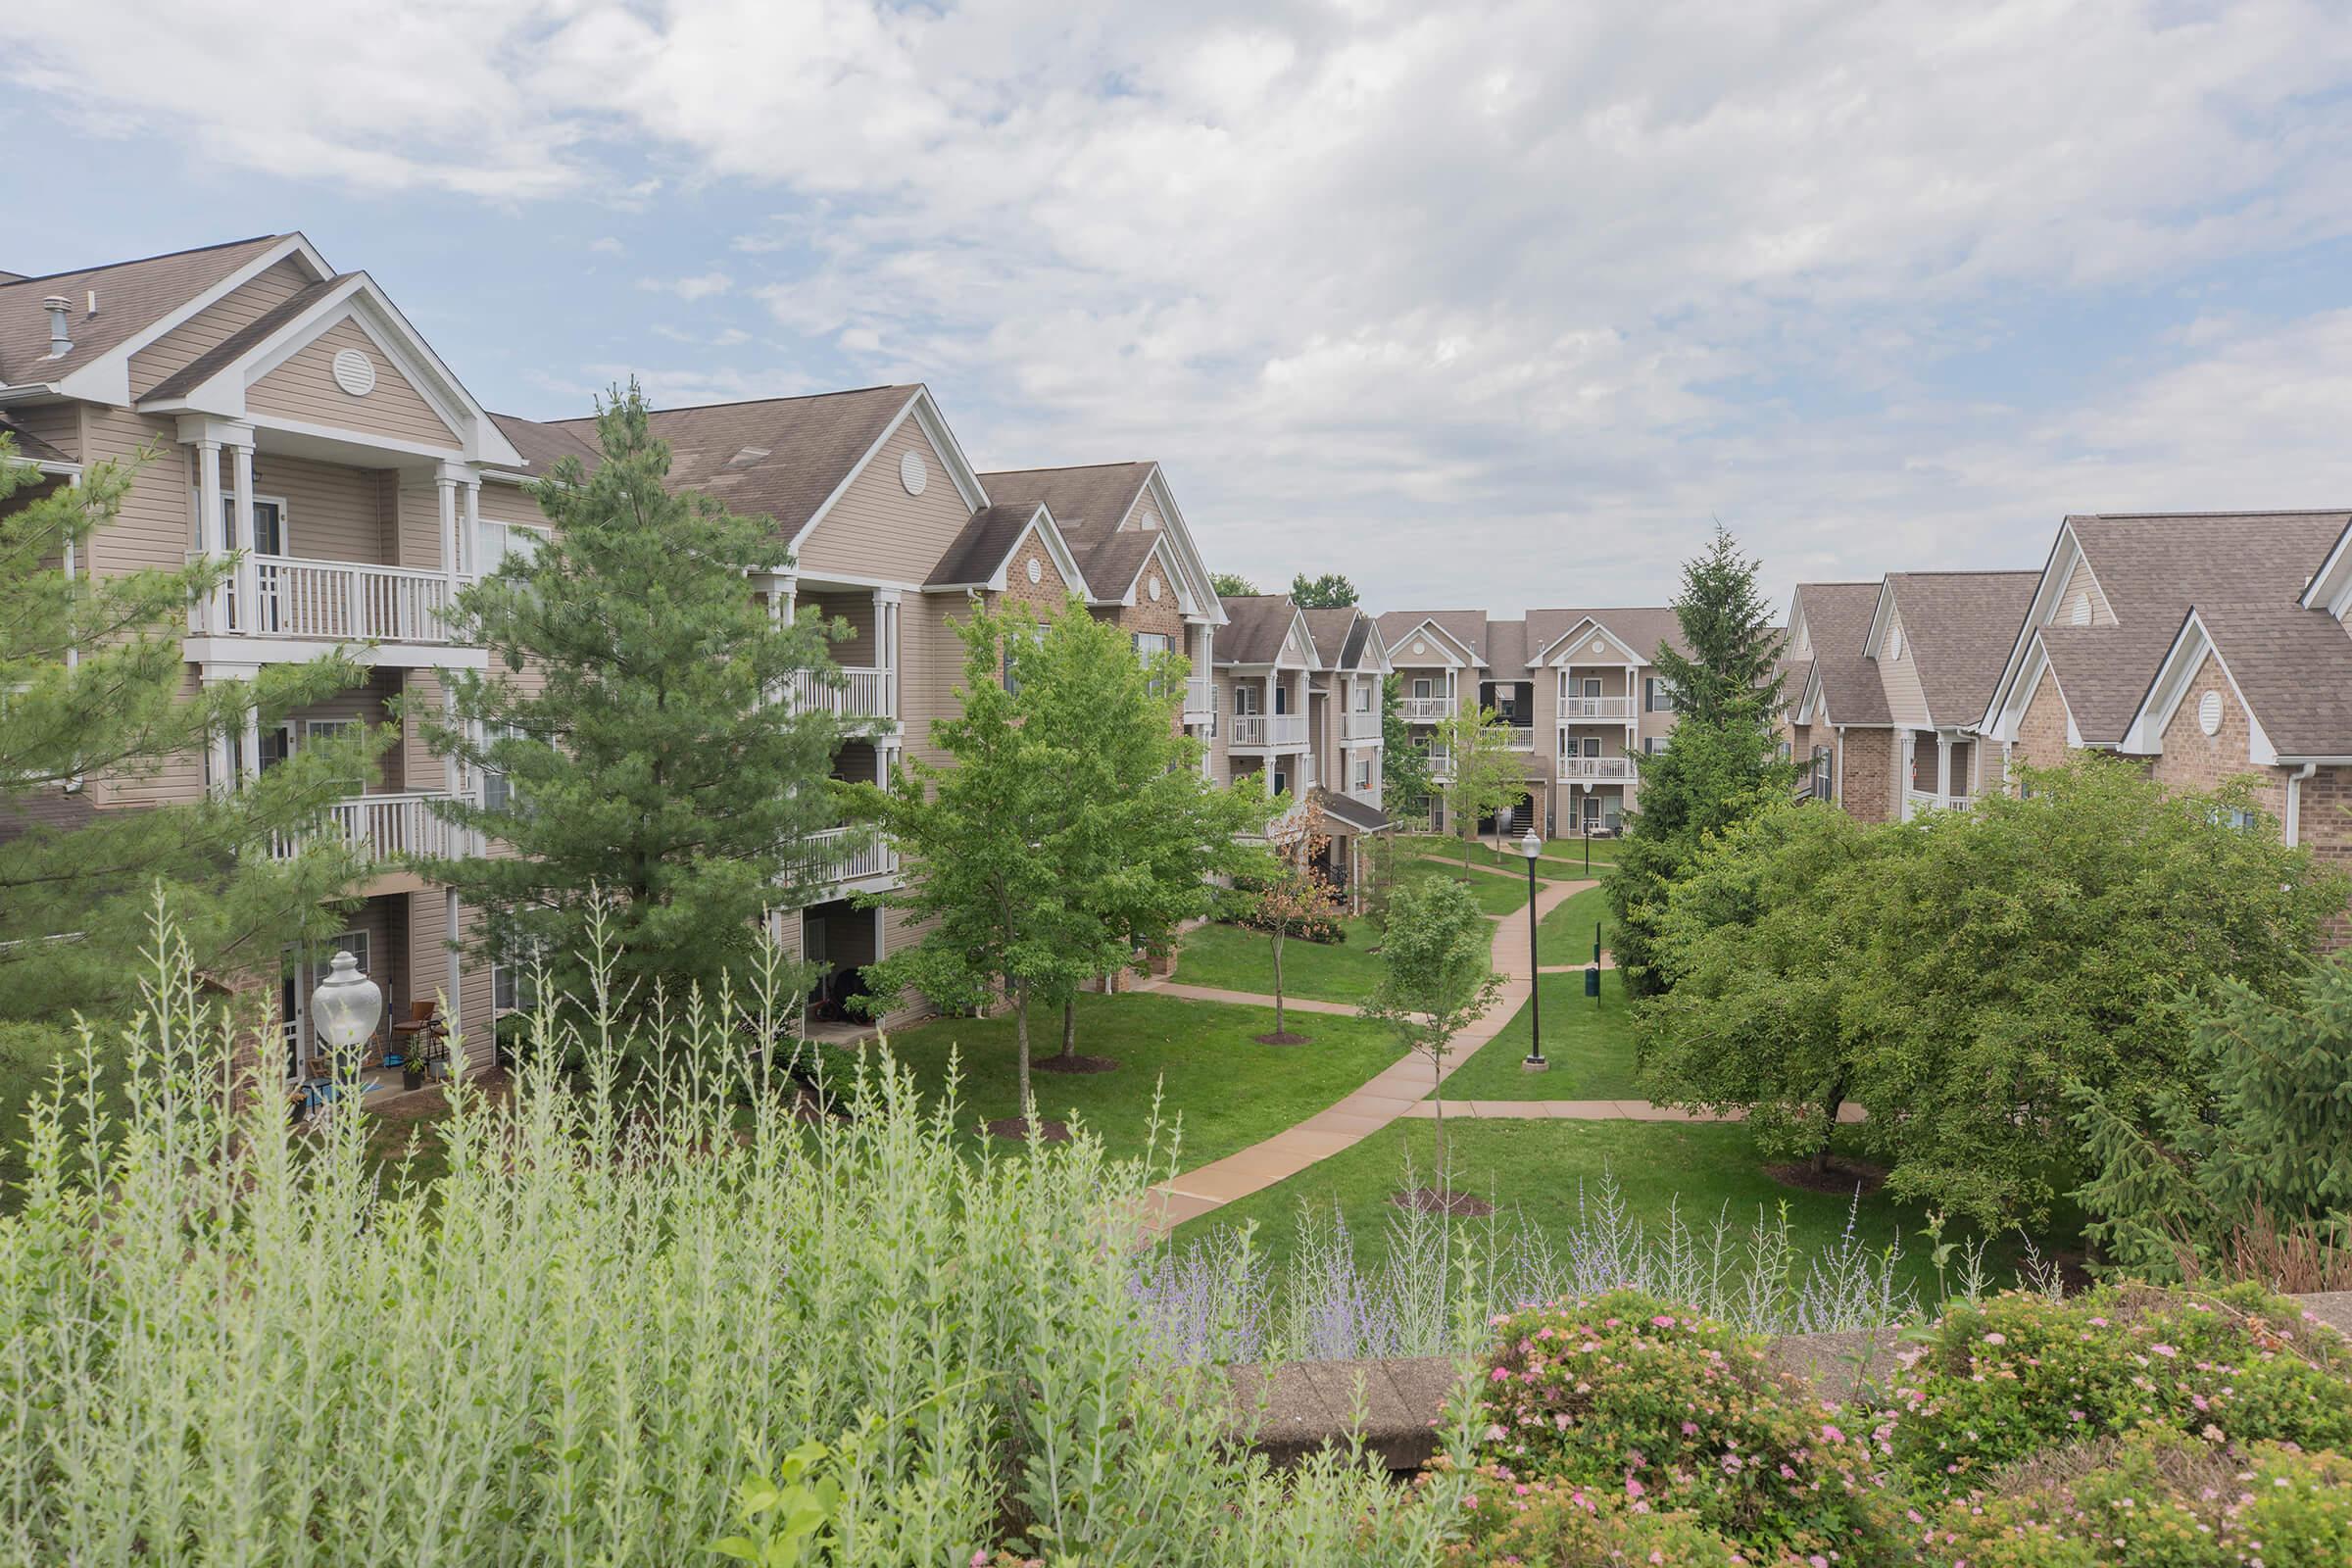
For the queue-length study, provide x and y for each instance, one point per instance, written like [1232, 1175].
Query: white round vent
[355, 371]
[914, 475]
[1894, 642]
[1420, 648]
[2079, 611]
[1037, 574]
[1151, 587]
[2209, 712]
[1598, 646]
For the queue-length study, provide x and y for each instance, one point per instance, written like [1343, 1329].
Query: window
[1037, 634]
[1651, 745]
[328, 729]
[2237, 817]
[1363, 772]
[1424, 688]
[504, 541]
[1150, 648]
[1592, 686]
[1244, 698]
[1658, 694]
[1591, 746]
[498, 791]
[1363, 699]
[514, 988]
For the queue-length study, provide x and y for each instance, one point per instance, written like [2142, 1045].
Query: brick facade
[2042, 729]
[1866, 774]
[2192, 759]
[1046, 595]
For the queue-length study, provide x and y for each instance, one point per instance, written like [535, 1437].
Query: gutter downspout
[1837, 779]
[2295, 801]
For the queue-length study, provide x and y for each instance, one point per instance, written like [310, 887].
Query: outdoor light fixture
[347, 1007]
[1529, 848]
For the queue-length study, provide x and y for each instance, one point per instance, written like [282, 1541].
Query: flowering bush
[2155, 1499]
[1632, 1398]
[2014, 1376]
[1507, 1521]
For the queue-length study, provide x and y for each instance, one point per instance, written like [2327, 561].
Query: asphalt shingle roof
[1256, 625]
[1961, 626]
[238, 344]
[976, 553]
[1837, 616]
[2294, 667]
[542, 445]
[131, 296]
[1465, 626]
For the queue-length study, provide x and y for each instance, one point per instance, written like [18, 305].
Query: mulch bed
[1076, 1064]
[1838, 1177]
[1429, 1201]
[1016, 1129]
[1284, 1038]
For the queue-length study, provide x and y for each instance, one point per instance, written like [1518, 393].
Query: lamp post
[1530, 847]
[346, 1008]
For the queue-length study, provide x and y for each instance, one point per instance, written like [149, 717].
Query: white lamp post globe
[347, 1006]
[1531, 845]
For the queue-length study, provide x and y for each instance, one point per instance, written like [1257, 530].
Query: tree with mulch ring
[1016, 1130]
[1293, 896]
[1074, 1062]
[1437, 976]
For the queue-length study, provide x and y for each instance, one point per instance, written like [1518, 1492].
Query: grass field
[1236, 960]
[1565, 935]
[1561, 857]
[1591, 1051]
[1496, 894]
[1230, 1091]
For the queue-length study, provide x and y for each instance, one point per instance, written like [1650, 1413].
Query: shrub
[1509, 1521]
[2155, 1499]
[1998, 1382]
[1629, 1395]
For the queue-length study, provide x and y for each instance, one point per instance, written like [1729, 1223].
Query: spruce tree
[1404, 784]
[1720, 764]
[94, 694]
[653, 779]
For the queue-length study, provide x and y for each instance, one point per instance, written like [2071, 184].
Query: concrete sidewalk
[1391, 1093]
[1584, 1111]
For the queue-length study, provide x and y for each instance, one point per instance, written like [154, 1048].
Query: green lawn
[1531, 1170]
[1230, 1091]
[1561, 857]
[1565, 935]
[1496, 894]
[1591, 1051]
[1234, 959]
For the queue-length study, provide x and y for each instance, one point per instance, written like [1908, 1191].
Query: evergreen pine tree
[632, 711]
[1404, 784]
[94, 694]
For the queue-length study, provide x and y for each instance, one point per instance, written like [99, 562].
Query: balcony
[1584, 710]
[1359, 726]
[1918, 800]
[1200, 700]
[1270, 732]
[1597, 769]
[387, 827]
[1523, 737]
[1440, 761]
[864, 697]
[852, 855]
[1424, 709]
[328, 600]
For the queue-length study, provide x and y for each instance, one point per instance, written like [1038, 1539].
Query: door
[1591, 746]
[1593, 687]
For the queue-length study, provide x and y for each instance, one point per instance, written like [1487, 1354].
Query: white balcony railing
[1423, 710]
[1199, 699]
[333, 600]
[1523, 737]
[1359, 726]
[1918, 800]
[1574, 710]
[1277, 731]
[1597, 769]
[383, 827]
[1441, 764]
[866, 696]
[840, 859]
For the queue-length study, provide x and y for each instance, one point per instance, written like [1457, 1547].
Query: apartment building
[1300, 696]
[298, 422]
[2210, 645]
[1579, 688]
[1885, 683]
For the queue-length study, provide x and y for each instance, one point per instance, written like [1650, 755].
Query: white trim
[238, 658]
[2175, 675]
[1468, 659]
[2330, 587]
[107, 378]
[1171, 516]
[1632, 655]
[1049, 535]
[2065, 551]
[950, 455]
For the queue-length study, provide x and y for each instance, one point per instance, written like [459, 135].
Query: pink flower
[1501, 1374]
[2164, 1349]
[979, 1558]
[1633, 1487]
[1689, 1429]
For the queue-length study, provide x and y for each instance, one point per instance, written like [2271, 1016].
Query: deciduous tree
[1483, 777]
[1436, 977]
[1231, 585]
[1330, 591]
[1292, 893]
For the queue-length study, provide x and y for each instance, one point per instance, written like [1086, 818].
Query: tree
[1403, 764]
[1721, 762]
[1484, 775]
[632, 711]
[93, 687]
[1148, 836]
[2246, 1167]
[1294, 893]
[1960, 976]
[1436, 977]
[1330, 591]
[986, 842]
[1231, 585]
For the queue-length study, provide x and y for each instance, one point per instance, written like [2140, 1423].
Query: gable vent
[747, 457]
[2080, 614]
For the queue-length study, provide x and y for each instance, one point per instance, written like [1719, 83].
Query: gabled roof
[542, 446]
[1960, 626]
[2292, 667]
[1112, 561]
[234, 346]
[1466, 629]
[131, 297]
[977, 557]
[1091, 502]
[2152, 568]
[1350, 812]
[1333, 630]
[783, 458]
[1641, 628]
[1092, 497]
[1256, 626]
[31, 448]
[1837, 616]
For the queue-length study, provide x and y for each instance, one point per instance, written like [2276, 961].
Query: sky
[1484, 306]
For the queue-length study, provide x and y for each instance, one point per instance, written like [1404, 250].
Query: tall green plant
[95, 699]
[1485, 777]
[1404, 784]
[1437, 978]
[636, 711]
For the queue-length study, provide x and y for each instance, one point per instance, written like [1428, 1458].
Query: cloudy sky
[1487, 305]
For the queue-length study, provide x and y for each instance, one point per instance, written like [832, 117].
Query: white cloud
[606, 246]
[701, 286]
[1429, 292]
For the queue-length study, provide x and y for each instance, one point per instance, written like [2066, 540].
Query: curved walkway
[1585, 1110]
[1391, 1093]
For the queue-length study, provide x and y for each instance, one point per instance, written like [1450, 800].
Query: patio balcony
[1424, 709]
[1523, 737]
[864, 697]
[1270, 732]
[1918, 800]
[1200, 700]
[386, 827]
[328, 600]
[1597, 769]
[1359, 726]
[1585, 709]
[852, 855]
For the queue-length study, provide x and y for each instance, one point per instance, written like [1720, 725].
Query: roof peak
[746, 403]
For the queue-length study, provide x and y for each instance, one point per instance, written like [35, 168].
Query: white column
[1943, 765]
[250, 765]
[886, 639]
[211, 525]
[241, 493]
[470, 554]
[445, 494]
[1904, 775]
[456, 1008]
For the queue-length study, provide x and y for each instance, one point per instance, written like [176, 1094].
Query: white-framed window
[514, 988]
[1363, 698]
[1658, 694]
[498, 790]
[272, 521]
[1651, 745]
[1424, 688]
[500, 540]
[327, 729]
[1363, 772]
